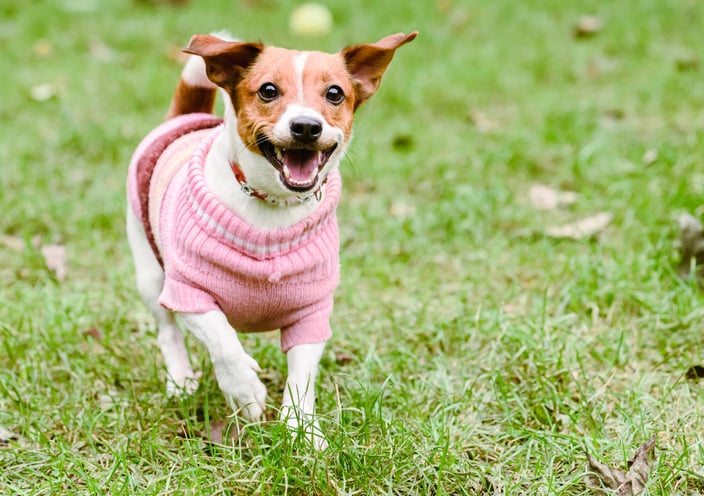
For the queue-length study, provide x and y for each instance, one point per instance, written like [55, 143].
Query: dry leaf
[109, 400]
[43, 92]
[483, 124]
[650, 156]
[94, 333]
[443, 6]
[629, 483]
[517, 306]
[219, 432]
[401, 209]
[55, 259]
[694, 373]
[585, 228]
[43, 49]
[691, 245]
[544, 197]
[9, 438]
[600, 65]
[342, 358]
[101, 52]
[587, 26]
[12, 242]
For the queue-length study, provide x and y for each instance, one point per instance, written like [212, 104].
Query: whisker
[347, 156]
[253, 145]
[244, 147]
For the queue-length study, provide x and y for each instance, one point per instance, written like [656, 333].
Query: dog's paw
[239, 383]
[304, 425]
[183, 385]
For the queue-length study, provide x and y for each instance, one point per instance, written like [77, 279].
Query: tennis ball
[310, 20]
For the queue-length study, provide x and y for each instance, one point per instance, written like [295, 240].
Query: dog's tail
[195, 92]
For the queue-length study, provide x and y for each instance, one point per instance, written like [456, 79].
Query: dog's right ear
[225, 61]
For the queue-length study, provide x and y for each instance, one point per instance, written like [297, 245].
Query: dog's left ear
[225, 61]
[367, 63]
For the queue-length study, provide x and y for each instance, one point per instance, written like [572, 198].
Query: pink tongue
[302, 164]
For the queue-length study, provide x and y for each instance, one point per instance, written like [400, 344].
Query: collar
[217, 220]
[260, 195]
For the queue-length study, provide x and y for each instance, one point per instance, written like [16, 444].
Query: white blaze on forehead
[299, 64]
[281, 132]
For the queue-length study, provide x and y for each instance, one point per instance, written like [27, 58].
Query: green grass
[485, 357]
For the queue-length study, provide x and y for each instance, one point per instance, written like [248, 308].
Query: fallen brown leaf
[587, 26]
[443, 6]
[599, 66]
[544, 197]
[55, 259]
[694, 373]
[482, 122]
[9, 438]
[218, 432]
[650, 156]
[584, 228]
[629, 483]
[12, 242]
[43, 92]
[342, 358]
[101, 52]
[43, 49]
[94, 333]
[402, 209]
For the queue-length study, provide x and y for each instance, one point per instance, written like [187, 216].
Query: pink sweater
[213, 260]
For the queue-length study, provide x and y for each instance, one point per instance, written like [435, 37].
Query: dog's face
[294, 110]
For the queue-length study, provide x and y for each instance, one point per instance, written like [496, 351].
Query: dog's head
[293, 109]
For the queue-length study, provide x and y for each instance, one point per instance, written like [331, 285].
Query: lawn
[472, 352]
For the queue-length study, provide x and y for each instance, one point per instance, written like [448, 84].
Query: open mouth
[298, 167]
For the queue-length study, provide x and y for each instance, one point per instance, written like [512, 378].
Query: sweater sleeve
[314, 328]
[181, 296]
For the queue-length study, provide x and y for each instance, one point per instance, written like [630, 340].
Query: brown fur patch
[188, 99]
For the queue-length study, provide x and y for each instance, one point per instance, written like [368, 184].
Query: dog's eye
[335, 95]
[268, 92]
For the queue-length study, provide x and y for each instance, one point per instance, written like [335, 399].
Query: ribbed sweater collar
[221, 222]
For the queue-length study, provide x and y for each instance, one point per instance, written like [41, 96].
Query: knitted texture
[145, 158]
[213, 260]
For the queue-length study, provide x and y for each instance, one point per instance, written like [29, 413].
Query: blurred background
[504, 327]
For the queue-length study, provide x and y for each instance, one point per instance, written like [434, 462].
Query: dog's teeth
[280, 154]
[287, 173]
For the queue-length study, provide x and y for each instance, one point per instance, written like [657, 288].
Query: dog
[231, 222]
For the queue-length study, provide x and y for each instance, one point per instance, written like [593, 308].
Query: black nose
[306, 129]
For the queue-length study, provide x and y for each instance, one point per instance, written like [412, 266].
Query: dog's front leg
[298, 406]
[235, 370]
